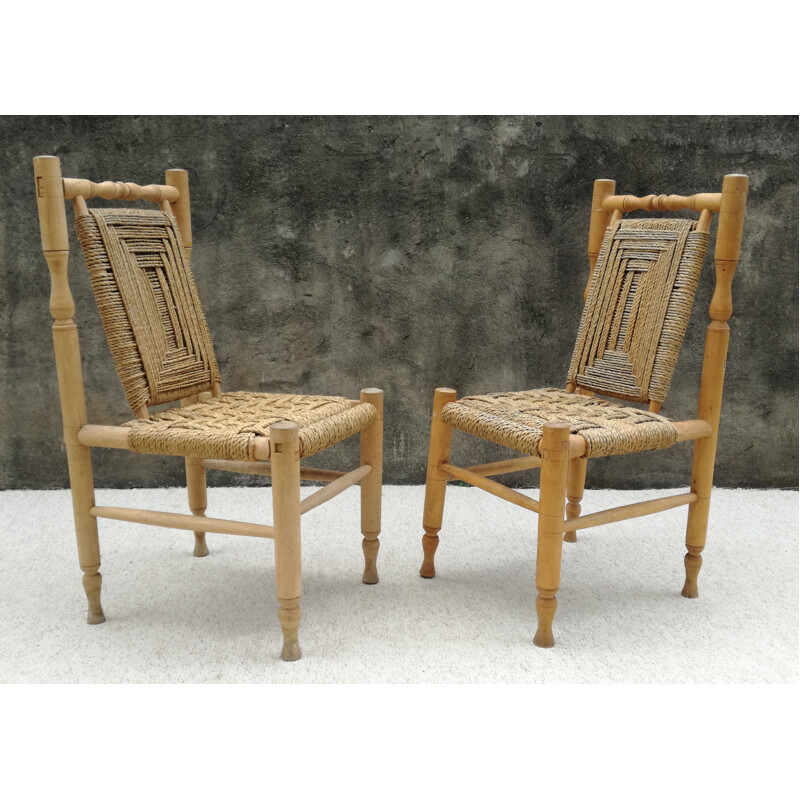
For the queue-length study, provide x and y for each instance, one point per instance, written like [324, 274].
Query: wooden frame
[564, 461]
[280, 450]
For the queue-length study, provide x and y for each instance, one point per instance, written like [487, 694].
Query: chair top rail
[117, 190]
[662, 202]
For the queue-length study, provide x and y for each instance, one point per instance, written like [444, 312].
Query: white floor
[173, 618]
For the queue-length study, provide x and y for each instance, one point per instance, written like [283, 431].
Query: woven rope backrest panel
[638, 308]
[148, 304]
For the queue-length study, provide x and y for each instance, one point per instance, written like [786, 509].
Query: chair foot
[693, 562]
[430, 541]
[92, 582]
[571, 536]
[370, 548]
[545, 611]
[200, 546]
[289, 616]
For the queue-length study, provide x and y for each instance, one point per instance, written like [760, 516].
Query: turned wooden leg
[697, 524]
[196, 485]
[285, 458]
[372, 454]
[552, 493]
[576, 479]
[436, 480]
[82, 486]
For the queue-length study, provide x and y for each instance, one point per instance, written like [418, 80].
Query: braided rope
[148, 304]
[226, 427]
[638, 308]
[516, 420]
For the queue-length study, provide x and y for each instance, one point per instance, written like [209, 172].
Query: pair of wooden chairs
[640, 293]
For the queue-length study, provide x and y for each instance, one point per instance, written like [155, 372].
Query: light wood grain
[490, 486]
[504, 467]
[286, 514]
[629, 511]
[726, 257]
[335, 488]
[265, 468]
[435, 481]
[371, 484]
[598, 223]
[576, 478]
[184, 522]
[116, 190]
[552, 494]
[662, 202]
[55, 244]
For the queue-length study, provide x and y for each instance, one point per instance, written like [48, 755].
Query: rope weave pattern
[226, 427]
[148, 304]
[516, 419]
[638, 308]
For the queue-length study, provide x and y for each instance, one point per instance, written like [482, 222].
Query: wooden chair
[643, 275]
[138, 262]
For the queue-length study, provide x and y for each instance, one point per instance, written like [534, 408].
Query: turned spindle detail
[117, 190]
[198, 501]
[552, 493]
[726, 257]
[436, 480]
[284, 438]
[576, 479]
[55, 245]
[662, 202]
[371, 455]
[692, 561]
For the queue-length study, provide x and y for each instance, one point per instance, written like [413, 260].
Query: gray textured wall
[406, 253]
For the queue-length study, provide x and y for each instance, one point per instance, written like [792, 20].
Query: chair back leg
[576, 480]
[371, 455]
[196, 487]
[436, 480]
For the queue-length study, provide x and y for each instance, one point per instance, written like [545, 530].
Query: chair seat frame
[564, 455]
[277, 455]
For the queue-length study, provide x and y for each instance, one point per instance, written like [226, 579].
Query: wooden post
[726, 257]
[55, 244]
[552, 492]
[181, 208]
[196, 486]
[372, 455]
[198, 499]
[285, 445]
[436, 481]
[576, 479]
[598, 223]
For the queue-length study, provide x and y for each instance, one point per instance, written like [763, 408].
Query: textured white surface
[174, 618]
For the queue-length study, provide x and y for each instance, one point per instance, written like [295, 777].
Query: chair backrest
[644, 273]
[138, 262]
[148, 304]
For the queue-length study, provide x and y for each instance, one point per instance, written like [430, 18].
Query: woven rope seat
[515, 420]
[226, 427]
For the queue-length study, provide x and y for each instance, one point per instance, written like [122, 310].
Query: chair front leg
[552, 493]
[285, 458]
[196, 487]
[436, 480]
[81, 484]
[697, 523]
[576, 480]
[372, 455]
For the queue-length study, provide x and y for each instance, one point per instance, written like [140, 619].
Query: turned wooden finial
[603, 188]
[729, 240]
[181, 208]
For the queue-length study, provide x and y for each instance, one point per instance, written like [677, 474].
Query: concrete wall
[406, 253]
